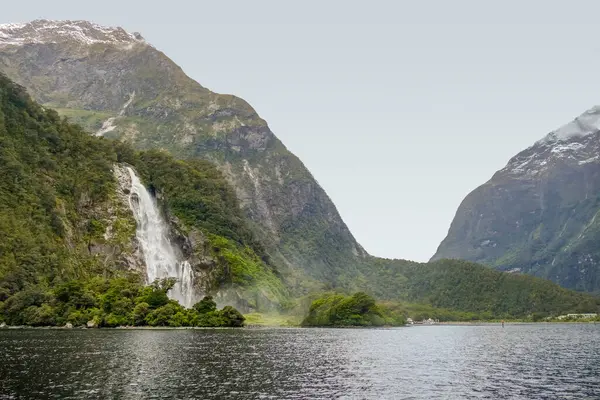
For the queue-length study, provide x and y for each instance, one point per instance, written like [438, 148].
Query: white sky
[398, 108]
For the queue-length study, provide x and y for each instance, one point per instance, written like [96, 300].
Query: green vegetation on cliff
[100, 302]
[56, 183]
[200, 198]
[61, 217]
[156, 106]
[197, 193]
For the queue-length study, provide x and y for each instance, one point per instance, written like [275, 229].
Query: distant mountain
[117, 85]
[539, 214]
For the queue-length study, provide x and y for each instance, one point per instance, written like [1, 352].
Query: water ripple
[553, 361]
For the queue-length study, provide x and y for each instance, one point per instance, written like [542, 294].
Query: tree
[140, 312]
[206, 305]
[233, 317]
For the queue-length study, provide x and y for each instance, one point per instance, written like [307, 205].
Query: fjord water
[427, 362]
[160, 255]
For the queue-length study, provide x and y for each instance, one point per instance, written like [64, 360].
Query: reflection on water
[519, 361]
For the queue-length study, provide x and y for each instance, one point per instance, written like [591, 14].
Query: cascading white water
[160, 255]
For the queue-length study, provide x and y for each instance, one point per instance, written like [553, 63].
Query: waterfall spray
[160, 255]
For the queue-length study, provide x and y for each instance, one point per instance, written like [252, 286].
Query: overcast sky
[399, 108]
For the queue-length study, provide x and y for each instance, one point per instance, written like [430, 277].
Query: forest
[100, 302]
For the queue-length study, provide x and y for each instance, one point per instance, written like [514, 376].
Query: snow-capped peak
[576, 143]
[586, 124]
[83, 32]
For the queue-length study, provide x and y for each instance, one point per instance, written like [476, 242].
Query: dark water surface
[428, 362]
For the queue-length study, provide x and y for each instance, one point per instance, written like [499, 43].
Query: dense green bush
[112, 302]
[360, 309]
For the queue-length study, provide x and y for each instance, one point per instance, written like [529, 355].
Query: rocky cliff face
[117, 85]
[538, 215]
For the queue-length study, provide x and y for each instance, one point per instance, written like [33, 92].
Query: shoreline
[512, 322]
[256, 327]
[122, 328]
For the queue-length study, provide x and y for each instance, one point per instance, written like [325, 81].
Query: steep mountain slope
[117, 85]
[65, 211]
[538, 215]
[56, 193]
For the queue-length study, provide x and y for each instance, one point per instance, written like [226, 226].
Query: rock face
[118, 86]
[92, 324]
[538, 215]
[195, 249]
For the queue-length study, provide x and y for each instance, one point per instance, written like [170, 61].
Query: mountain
[538, 215]
[117, 85]
[227, 202]
[74, 212]
[67, 207]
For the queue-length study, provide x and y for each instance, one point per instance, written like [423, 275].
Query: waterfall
[160, 255]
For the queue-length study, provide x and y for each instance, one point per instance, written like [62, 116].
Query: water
[160, 255]
[551, 361]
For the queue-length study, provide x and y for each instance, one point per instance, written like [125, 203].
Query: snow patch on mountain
[579, 150]
[82, 32]
[562, 148]
[576, 143]
[589, 160]
[586, 124]
[109, 124]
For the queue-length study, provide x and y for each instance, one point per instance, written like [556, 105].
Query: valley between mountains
[117, 168]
